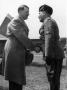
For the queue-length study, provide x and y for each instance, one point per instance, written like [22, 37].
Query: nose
[39, 16]
[28, 14]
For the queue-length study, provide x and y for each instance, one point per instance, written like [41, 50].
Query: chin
[26, 18]
[41, 20]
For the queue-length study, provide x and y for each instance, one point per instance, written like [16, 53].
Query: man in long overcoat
[15, 47]
[53, 50]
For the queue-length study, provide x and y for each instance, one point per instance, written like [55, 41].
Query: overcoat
[14, 51]
[53, 47]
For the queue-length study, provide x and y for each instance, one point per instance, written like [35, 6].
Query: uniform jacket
[14, 51]
[53, 48]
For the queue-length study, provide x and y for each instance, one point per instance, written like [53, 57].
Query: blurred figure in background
[52, 49]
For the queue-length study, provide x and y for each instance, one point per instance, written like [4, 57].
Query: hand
[48, 60]
[37, 49]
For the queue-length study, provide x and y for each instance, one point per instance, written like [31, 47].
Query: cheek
[22, 14]
[26, 14]
[39, 16]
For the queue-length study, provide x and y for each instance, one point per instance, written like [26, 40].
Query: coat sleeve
[18, 31]
[49, 38]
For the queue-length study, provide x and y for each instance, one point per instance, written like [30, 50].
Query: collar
[48, 18]
[21, 19]
[23, 22]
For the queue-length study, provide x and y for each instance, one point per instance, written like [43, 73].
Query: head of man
[44, 12]
[23, 11]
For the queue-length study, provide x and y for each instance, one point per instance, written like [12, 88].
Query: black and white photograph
[33, 45]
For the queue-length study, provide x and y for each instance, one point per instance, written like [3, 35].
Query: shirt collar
[47, 19]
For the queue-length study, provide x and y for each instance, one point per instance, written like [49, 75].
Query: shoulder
[54, 23]
[14, 21]
[48, 22]
[51, 22]
[14, 24]
[48, 26]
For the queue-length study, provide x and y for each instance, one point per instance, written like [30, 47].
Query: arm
[49, 38]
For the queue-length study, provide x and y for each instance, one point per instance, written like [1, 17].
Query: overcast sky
[59, 13]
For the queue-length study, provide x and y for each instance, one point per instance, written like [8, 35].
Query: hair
[46, 8]
[22, 7]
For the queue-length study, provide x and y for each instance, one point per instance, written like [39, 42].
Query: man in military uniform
[52, 48]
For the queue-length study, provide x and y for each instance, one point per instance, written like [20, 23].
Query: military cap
[46, 8]
[21, 7]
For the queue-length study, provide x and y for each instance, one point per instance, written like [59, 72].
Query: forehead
[26, 8]
[42, 12]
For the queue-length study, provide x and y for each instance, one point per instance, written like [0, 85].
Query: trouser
[14, 86]
[53, 73]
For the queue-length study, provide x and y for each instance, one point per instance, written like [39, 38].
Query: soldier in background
[52, 48]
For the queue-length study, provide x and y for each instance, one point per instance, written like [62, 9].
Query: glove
[48, 60]
[28, 57]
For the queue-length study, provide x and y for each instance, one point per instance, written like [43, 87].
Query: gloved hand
[28, 57]
[48, 60]
[37, 49]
